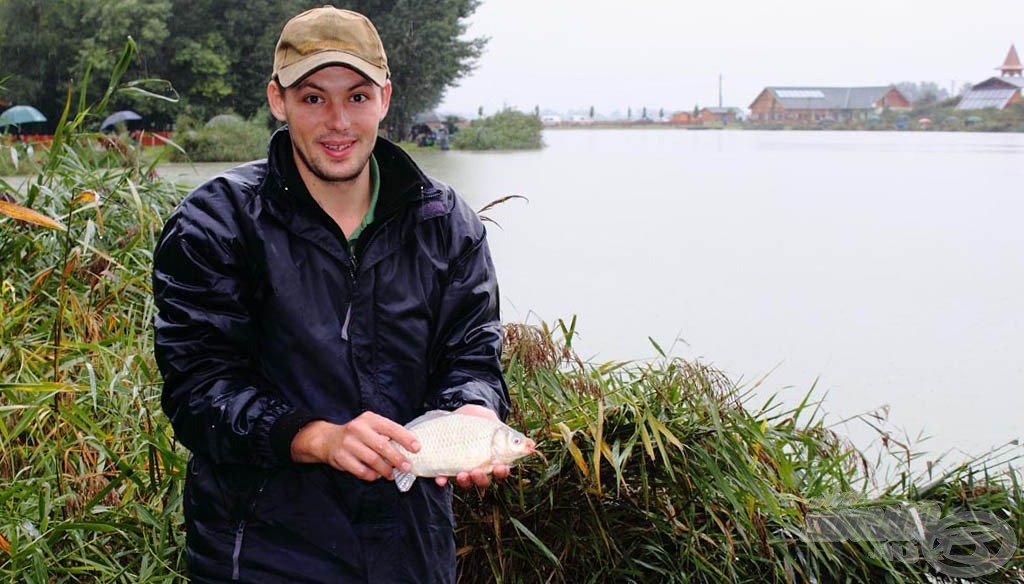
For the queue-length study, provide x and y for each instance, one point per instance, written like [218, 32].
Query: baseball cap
[329, 36]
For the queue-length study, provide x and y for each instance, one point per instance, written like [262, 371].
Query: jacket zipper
[353, 272]
[353, 268]
[236, 552]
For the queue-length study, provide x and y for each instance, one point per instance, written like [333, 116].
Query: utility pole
[719, 90]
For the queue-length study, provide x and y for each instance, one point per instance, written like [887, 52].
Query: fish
[451, 443]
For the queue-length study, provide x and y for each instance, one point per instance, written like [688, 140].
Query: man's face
[333, 115]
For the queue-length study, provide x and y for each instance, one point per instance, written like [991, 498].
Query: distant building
[682, 118]
[551, 120]
[997, 92]
[719, 115]
[825, 103]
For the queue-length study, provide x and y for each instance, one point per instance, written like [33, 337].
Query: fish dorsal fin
[432, 414]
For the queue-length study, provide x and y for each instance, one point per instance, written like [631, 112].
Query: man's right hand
[361, 447]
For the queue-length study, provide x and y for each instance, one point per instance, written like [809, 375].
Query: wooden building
[838, 104]
[719, 115]
[997, 92]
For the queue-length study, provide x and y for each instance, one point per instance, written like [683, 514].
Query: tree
[217, 54]
[426, 52]
[49, 45]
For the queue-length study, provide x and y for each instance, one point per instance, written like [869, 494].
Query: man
[309, 304]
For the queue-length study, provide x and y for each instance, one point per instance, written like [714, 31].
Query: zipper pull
[348, 316]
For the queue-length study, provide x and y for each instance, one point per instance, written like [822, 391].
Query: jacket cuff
[283, 431]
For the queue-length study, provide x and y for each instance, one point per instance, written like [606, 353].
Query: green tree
[426, 51]
[217, 54]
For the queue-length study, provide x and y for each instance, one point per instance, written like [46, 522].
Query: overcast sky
[567, 55]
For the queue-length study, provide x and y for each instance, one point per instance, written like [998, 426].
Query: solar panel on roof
[800, 93]
[985, 98]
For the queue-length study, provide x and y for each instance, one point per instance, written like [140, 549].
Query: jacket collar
[402, 185]
[402, 181]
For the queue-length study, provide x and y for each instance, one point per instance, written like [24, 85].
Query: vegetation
[89, 473]
[659, 471]
[506, 130]
[662, 472]
[215, 54]
[224, 138]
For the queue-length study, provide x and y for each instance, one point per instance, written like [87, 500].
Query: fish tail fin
[404, 480]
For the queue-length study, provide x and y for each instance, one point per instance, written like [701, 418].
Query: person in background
[308, 305]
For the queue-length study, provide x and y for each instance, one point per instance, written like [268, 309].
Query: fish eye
[516, 441]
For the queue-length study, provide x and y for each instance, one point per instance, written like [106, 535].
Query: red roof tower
[1011, 66]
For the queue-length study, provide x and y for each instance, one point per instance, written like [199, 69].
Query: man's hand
[361, 447]
[477, 476]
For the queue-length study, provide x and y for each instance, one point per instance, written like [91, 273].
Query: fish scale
[452, 443]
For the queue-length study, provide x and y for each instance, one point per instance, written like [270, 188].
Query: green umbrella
[20, 114]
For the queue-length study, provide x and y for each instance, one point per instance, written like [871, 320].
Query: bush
[505, 130]
[223, 139]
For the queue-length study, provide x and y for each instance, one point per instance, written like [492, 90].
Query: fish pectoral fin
[404, 480]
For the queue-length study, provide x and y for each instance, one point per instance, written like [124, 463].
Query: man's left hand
[477, 476]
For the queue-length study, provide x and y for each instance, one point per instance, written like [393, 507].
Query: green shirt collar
[374, 192]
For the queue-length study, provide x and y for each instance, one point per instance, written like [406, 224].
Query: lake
[883, 268]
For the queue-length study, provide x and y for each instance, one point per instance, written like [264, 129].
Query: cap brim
[293, 73]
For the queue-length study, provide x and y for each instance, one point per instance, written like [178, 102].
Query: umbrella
[121, 116]
[224, 119]
[20, 114]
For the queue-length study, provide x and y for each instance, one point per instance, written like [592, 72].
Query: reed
[665, 471]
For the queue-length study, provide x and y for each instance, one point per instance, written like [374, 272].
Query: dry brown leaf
[27, 215]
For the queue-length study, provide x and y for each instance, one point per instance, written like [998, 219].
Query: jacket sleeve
[205, 340]
[467, 361]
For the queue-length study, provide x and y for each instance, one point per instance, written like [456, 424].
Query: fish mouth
[531, 446]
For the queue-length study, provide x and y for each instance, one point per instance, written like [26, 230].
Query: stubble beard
[322, 174]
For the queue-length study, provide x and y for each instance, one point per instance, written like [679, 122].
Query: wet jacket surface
[267, 320]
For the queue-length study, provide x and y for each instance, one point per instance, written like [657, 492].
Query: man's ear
[275, 99]
[385, 99]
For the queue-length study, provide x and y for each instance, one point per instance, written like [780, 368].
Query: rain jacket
[267, 320]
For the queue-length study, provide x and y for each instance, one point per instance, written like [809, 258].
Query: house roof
[993, 92]
[828, 97]
[722, 110]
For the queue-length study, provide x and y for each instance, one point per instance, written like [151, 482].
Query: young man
[309, 304]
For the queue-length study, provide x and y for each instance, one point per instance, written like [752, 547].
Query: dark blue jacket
[267, 320]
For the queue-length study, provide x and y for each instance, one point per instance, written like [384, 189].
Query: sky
[566, 56]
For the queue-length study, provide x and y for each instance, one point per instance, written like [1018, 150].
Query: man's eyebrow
[317, 87]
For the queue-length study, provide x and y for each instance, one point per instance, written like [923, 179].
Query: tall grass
[89, 487]
[664, 471]
[661, 471]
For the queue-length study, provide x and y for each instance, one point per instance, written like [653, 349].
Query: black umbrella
[118, 117]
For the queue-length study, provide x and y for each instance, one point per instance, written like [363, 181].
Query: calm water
[887, 268]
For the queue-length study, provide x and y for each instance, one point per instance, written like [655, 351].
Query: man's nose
[338, 116]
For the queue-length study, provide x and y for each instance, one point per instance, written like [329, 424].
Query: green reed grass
[658, 471]
[663, 471]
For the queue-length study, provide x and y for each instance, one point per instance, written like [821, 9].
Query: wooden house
[682, 118]
[997, 92]
[719, 115]
[810, 104]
